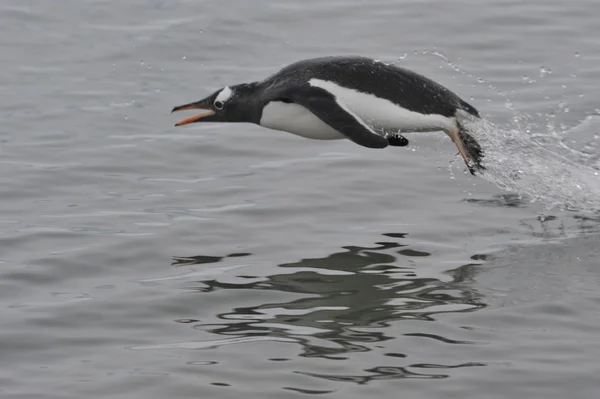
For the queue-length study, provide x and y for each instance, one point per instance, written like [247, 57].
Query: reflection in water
[501, 200]
[387, 373]
[352, 297]
[202, 259]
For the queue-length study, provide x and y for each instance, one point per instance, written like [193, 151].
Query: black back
[398, 85]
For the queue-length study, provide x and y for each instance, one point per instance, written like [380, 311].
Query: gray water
[140, 260]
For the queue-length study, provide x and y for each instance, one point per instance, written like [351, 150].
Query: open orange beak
[193, 118]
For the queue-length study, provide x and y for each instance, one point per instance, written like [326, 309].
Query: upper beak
[196, 105]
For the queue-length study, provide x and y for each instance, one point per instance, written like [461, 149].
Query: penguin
[367, 101]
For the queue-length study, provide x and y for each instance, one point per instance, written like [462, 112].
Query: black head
[237, 103]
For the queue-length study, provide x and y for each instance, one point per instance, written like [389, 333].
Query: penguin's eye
[219, 105]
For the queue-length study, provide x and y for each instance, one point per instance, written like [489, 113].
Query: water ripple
[214, 343]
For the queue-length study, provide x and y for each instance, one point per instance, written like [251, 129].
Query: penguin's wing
[336, 114]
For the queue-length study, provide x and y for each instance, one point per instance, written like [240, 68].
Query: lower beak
[193, 118]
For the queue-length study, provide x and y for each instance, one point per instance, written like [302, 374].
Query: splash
[562, 177]
[557, 167]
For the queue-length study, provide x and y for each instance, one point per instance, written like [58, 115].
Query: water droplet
[184, 57]
[403, 56]
[577, 54]
[480, 80]
[581, 95]
[125, 117]
[525, 77]
[544, 71]
[142, 62]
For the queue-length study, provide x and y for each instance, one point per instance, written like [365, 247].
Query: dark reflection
[202, 259]
[308, 391]
[350, 297]
[509, 200]
[387, 373]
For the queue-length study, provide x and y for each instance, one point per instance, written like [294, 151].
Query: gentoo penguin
[366, 101]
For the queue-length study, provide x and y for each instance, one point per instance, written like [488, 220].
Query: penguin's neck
[248, 102]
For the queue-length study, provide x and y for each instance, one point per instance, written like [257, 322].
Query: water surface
[141, 260]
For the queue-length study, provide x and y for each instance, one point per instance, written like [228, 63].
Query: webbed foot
[397, 140]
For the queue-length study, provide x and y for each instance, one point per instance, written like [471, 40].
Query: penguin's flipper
[336, 114]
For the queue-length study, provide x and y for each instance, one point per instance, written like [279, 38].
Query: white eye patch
[224, 95]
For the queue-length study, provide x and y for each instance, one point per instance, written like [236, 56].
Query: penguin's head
[229, 104]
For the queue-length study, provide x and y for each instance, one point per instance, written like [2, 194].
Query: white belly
[296, 119]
